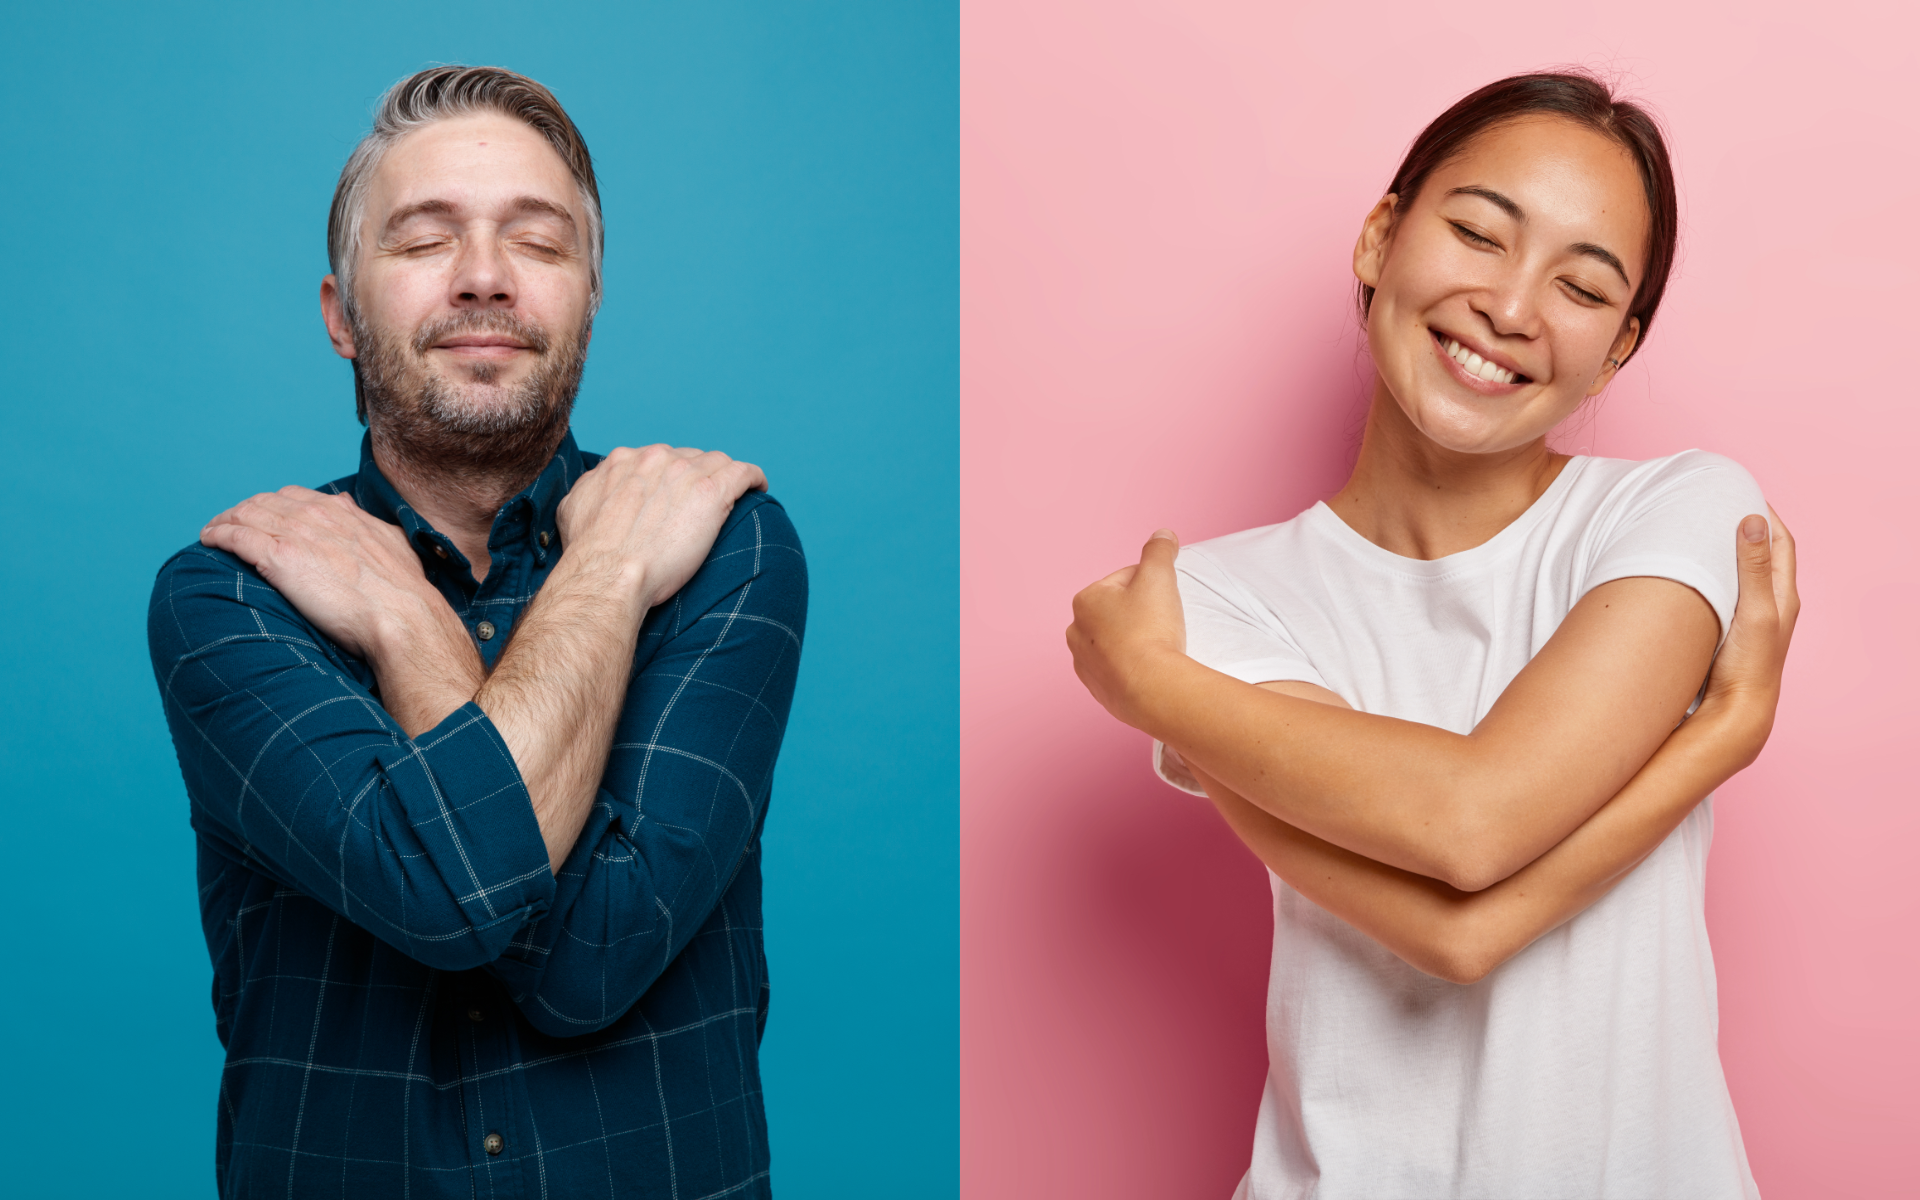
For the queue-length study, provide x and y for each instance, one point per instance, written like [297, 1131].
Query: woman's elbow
[1475, 872]
[1476, 853]
[1464, 966]
[1464, 951]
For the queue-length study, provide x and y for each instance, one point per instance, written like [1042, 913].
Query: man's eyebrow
[407, 212]
[535, 204]
[1513, 210]
[525, 204]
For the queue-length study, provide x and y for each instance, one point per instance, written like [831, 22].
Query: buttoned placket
[488, 1050]
[523, 546]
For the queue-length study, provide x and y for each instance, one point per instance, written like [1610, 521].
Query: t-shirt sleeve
[1677, 521]
[1228, 631]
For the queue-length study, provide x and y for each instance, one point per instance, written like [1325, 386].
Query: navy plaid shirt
[412, 1004]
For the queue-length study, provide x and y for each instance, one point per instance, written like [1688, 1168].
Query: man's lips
[482, 346]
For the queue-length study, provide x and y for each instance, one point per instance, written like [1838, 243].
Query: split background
[780, 190]
[1159, 200]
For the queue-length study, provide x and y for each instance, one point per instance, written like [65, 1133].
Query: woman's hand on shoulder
[1127, 622]
[1744, 688]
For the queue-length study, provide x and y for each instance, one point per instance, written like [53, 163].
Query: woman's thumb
[1161, 549]
[1755, 548]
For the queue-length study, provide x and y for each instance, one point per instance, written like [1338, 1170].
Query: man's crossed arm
[567, 823]
[635, 529]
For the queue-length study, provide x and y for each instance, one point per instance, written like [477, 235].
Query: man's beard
[473, 430]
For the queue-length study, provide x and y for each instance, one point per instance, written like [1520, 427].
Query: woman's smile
[1482, 373]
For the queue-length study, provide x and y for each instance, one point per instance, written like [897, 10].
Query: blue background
[781, 194]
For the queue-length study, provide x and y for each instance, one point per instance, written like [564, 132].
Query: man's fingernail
[1754, 529]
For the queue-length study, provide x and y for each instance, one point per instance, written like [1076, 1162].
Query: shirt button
[494, 1143]
[474, 1014]
[484, 630]
[440, 550]
[546, 538]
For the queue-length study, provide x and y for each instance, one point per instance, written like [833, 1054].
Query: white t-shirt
[1585, 1067]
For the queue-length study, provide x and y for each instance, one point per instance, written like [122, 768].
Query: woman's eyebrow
[1604, 255]
[1513, 210]
[1486, 193]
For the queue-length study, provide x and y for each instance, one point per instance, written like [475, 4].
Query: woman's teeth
[1475, 365]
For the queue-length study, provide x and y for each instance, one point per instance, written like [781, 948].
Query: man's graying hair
[454, 91]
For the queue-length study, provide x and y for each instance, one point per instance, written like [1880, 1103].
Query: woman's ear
[1616, 355]
[1371, 250]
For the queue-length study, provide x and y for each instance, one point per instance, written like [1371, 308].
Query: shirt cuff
[472, 814]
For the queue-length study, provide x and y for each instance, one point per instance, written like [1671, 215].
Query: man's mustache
[490, 321]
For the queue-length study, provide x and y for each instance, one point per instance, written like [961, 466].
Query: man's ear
[1370, 252]
[334, 312]
[1616, 355]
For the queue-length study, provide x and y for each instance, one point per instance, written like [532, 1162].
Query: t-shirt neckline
[1491, 550]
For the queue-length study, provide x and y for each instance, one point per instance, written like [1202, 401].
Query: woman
[1442, 705]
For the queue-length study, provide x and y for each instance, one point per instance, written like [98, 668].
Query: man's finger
[244, 542]
[742, 477]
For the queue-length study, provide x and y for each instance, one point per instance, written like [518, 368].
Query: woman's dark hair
[1578, 97]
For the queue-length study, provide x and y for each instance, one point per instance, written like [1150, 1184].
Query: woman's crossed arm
[1580, 721]
[1461, 936]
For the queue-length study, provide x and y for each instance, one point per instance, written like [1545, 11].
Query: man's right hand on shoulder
[651, 514]
[351, 574]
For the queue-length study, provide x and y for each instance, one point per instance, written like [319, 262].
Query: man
[478, 739]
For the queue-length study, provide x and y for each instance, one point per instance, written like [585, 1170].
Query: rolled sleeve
[293, 768]
[686, 787]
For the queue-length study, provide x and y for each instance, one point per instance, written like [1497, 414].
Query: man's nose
[483, 278]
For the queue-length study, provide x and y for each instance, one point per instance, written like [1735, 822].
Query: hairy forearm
[1461, 936]
[426, 664]
[554, 696]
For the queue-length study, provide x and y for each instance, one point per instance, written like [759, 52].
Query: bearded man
[478, 740]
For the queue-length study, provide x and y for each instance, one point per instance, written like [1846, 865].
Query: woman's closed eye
[1582, 294]
[1474, 236]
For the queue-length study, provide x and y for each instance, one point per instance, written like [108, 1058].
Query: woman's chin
[1478, 428]
[1477, 437]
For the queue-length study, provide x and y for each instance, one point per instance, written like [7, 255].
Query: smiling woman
[1449, 707]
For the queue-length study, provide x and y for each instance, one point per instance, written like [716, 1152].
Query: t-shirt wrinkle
[1584, 1067]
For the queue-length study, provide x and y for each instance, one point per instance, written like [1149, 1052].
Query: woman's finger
[1786, 587]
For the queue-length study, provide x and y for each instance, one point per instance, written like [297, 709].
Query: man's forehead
[480, 162]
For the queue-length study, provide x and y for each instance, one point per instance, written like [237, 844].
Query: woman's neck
[1420, 500]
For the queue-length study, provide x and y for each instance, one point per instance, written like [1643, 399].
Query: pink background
[1158, 207]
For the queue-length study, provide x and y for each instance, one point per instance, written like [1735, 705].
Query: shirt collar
[539, 501]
